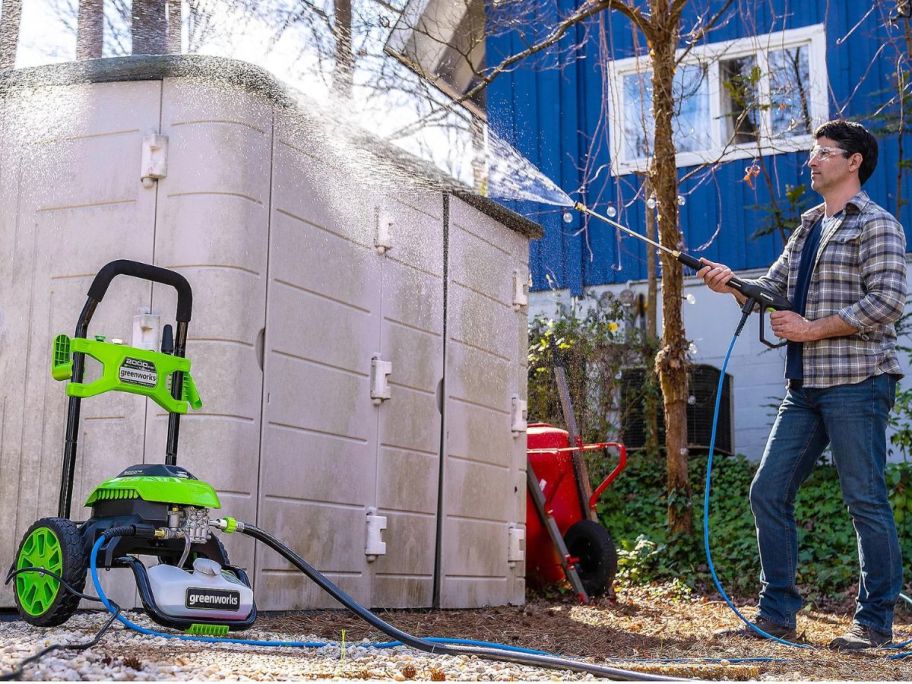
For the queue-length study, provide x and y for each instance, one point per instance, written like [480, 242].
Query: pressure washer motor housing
[158, 510]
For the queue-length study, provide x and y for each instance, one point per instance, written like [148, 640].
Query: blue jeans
[852, 419]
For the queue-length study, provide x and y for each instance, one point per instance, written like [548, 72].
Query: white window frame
[709, 55]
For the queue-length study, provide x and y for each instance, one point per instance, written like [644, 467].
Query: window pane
[790, 84]
[638, 123]
[740, 111]
[691, 121]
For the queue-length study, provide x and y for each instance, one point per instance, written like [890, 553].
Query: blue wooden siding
[549, 108]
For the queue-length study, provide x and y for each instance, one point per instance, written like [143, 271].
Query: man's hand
[791, 326]
[716, 276]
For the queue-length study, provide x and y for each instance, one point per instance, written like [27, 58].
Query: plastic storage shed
[296, 311]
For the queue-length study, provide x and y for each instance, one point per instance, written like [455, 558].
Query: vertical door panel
[212, 227]
[484, 470]
[409, 431]
[318, 465]
[74, 202]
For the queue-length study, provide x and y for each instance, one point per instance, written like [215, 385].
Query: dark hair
[852, 137]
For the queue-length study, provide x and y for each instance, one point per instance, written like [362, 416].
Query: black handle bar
[146, 272]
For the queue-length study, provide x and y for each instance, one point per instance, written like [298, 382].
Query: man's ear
[857, 159]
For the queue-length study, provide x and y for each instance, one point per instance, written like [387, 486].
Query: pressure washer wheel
[593, 546]
[55, 545]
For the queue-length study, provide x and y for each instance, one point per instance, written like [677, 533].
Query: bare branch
[587, 10]
[702, 31]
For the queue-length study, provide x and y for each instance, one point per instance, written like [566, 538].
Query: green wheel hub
[37, 591]
[55, 545]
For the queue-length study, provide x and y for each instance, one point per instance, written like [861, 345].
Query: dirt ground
[642, 623]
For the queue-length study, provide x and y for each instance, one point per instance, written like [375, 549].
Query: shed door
[319, 441]
[408, 457]
[71, 202]
[333, 457]
[212, 227]
[484, 481]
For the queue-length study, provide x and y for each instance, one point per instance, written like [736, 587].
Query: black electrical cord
[20, 668]
[546, 661]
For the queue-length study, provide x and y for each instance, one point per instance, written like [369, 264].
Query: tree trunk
[90, 29]
[174, 27]
[671, 361]
[650, 403]
[344, 67]
[150, 28]
[10, 16]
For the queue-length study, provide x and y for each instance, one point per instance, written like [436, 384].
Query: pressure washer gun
[757, 296]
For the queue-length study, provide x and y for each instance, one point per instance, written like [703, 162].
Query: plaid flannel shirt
[860, 275]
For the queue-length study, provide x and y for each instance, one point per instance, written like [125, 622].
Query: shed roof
[418, 172]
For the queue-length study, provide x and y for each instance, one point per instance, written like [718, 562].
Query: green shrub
[634, 511]
[596, 341]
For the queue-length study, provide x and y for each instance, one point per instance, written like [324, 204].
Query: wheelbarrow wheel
[593, 546]
[53, 544]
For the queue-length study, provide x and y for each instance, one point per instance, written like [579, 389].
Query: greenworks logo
[212, 599]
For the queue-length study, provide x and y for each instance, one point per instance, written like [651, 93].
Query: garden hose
[491, 652]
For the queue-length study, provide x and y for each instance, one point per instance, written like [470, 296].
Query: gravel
[124, 655]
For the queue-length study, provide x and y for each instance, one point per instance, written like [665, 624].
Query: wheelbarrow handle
[622, 463]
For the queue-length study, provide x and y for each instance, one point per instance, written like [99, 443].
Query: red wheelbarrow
[563, 537]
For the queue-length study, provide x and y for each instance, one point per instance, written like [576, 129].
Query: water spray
[767, 299]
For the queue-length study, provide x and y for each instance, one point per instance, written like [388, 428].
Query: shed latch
[520, 413]
[383, 240]
[154, 159]
[380, 371]
[520, 291]
[516, 549]
[374, 545]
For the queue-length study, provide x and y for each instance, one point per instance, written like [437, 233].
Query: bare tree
[90, 29]
[10, 17]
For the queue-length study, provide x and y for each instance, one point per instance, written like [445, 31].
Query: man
[844, 270]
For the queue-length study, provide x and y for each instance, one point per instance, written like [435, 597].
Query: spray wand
[756, 295]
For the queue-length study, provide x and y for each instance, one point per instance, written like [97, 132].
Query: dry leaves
[642, 623]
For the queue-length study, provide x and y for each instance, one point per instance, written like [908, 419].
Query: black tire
[593, 545]
[44, 602]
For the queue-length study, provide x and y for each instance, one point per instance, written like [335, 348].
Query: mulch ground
[641, 623]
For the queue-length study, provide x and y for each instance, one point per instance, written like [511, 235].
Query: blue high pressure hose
[706, 493]
[505, 647]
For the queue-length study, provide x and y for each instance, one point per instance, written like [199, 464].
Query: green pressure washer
[163, 511]
[165, 508]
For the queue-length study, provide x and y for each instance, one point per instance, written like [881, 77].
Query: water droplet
[568, 217]
[691, 400]
[611, 211]
[692, 349]
[681, 200]
[690, 298]
[651, 203]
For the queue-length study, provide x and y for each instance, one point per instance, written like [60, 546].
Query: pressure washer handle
[146, 272]
[689, 261]
[767, 299]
